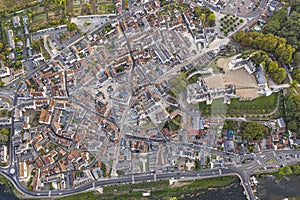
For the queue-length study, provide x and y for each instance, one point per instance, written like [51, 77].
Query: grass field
[94, 8]
[39, 21]
[261, 105]
[159, 189]
[14, 4]
[5, 113]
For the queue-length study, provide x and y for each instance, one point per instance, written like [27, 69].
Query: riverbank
[7, 191]
[221, 188]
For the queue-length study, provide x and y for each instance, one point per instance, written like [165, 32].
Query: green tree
[1, 45]
[197, 11]
[296, 58]
[296, 74]
[279, 75]
[294, 84]
[253, 130]
[2, 56]
[239, 36]
[273, 67]
[211, 19]
[292, 105]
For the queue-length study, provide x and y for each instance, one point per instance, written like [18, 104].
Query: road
[243, 171]
[253, 14]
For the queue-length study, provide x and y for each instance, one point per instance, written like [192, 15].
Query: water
[6, 193]
[288, 187]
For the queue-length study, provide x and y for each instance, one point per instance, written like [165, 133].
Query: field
[14, 4]
[88, 7]
[159, 189]
[39, 20]
[261, 105]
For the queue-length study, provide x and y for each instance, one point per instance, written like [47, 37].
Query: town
[144, 90]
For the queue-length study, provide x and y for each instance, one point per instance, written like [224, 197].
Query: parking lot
[243, 7]
[89, 23]
[55, 35]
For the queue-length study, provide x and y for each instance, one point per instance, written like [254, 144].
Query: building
[260, 76]
[16, 21]
[3, 154]
[200, 91]
[10, 38]
[4, 72]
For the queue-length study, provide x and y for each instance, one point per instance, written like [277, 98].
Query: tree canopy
[296, 74]
[267, 42]
[292, 103]
[286, 26]
[253, 130]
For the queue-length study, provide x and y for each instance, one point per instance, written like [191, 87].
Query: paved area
[89, 23]
[241, 6]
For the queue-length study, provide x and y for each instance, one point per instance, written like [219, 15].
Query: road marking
[49, 193]
[93, 185]
[220, 171]
[132, 178]
[154, 176]
[258, 162]
[274, 153]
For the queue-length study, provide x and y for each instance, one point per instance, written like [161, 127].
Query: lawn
[137, 186]
[14, 4]
[39, 20]
[261, 105]
[5, 113]
[194, 185]
[82, 196]
[42, 17]
[159, 189]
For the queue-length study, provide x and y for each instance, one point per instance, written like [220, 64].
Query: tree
[2, 83]
[279, 75]
[296, 74]
[211, 19]
[253, 130]
[2, 56]
[197, 11]
[202, 18]
[1, 45]
[273, 67]
[294, 84]
[292, 104]
[296, 58]
[71, 26]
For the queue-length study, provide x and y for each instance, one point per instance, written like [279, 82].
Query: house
[10, 38]
[4, 72]
[16, 21]
[229, 146]
[3, 154]
[260, 76]
[281, 125]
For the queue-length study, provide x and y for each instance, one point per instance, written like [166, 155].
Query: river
[6, 193]
[288, 187]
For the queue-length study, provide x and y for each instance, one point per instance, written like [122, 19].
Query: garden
[229, 24]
